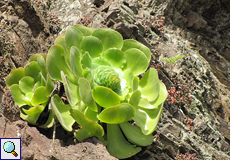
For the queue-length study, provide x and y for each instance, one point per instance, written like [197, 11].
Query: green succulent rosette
[31, 88]
[99, 71]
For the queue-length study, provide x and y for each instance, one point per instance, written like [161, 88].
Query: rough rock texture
[37, 146]
[198, 29]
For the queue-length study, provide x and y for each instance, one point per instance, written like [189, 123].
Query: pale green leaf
[117, 114]
[118, 145]
[149, 85]
[62, 113]
[105, 97]
[135, 136]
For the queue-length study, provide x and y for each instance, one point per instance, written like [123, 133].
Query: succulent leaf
[61, 111]
[107, 76]
[75, 62]
[15, 76]
[147, 119]
[136, 61]
[116, 57]
[71, 90]
[119, 113]
[36, 110]
[32, 69]
[118, 145]
[135, 98]
[163, 94]
[49, 86]
[73, 37]
[82, 134]
[85, 30]
[149, 85]
[86, 61]
[95, 44]
[42, 63]
[90, 126]
[135, 136]
[110, 38]
[130, 43]
[56, 63]
[49, 123]
[17, 95]
[105, 97]
[31, 119]
[26, 84]
[86, 94]
[39, 96]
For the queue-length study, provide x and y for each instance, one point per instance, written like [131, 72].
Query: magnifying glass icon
[9, 147]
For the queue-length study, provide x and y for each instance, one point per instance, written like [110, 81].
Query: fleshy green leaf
[148, 119]
[73, 37]
[34, 111]
[17, 95]
[86, 61]
[75, 62]
[85, 30]
[15, 76]
[82, 134]
[135, 136]
[101, 61]
[39, 96]
[136, 61]
[26, 84]
[93, 128]
[50, 122]
[163, 94]
[32, 69]
[61, 111]
[60, 40]
[149, 85]
[27, 98]
[42, 79]
[105, 97]
[91, 114]
[128, 76]
[92, 45]
[130, 43]
[135, 98]
[42, 63]
[110, 38]
[56, 63]
[34, 57]
[37, 84]
[117, 114]
[86, 94]
[88, 75]
[135, 84]
[116, 57]
[117, 144]
[31, 119]
[71, 90]
[49, 86]
[80, 106]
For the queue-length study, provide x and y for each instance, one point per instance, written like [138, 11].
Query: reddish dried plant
[186, 156]
[180, 94]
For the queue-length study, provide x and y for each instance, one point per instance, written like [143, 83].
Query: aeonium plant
[31, 88]
[99, 71]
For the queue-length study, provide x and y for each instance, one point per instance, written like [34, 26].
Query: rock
[37, 146]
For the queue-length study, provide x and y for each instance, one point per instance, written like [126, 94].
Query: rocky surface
[198, 29]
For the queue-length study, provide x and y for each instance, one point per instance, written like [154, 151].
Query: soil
[196, 127]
